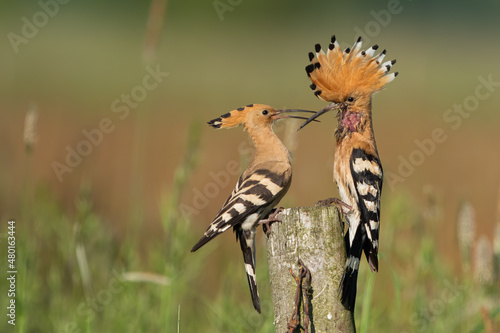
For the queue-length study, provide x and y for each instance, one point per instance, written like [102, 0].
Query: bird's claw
[272, 217]
[343, 208]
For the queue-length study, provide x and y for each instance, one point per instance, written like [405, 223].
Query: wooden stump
[314, 235]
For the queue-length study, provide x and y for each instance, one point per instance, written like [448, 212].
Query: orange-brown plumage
[347, 79]
[261, 186]
[339, 74]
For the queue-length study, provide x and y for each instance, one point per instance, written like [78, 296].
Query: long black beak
[319, 113]
[280, 115]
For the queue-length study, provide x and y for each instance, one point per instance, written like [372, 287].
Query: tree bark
[316, 236]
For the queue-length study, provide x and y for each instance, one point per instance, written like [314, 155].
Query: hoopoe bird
[348, 78]
[261, 186]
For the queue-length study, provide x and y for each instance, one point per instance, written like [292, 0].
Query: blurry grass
[421, 292]
[75, 276]
[367, 300]
[71, 275]
[70, 264]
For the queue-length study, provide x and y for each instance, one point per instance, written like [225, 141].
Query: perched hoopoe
[348, 79]
[260, 187]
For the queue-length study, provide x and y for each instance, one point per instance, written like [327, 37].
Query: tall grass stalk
[30, 137]
[366, 306]
[179, 319]
[178, 236]
[155, 23]
[466, 228]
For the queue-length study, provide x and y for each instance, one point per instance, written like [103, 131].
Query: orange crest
[238, 116]
[339, 74]
[230, 119]
[254, 115]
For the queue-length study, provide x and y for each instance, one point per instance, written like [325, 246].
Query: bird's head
[347, 79]
[253, 116]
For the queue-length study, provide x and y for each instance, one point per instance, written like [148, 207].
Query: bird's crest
[337, 74]
[232, 118]
[253, 115]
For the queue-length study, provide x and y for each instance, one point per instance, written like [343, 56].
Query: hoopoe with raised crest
[261, 186]
[347, 79]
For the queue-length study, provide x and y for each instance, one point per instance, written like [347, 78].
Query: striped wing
[363, 234]
[367, 175]
[253, 197]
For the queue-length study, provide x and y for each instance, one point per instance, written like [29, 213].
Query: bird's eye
[265, 112]
[350, 99]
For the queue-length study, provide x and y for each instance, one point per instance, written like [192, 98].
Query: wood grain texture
[315, 235]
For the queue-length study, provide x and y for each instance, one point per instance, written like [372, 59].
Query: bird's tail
[349, 282]
[338, 72]
[348, 285]
[247, 242]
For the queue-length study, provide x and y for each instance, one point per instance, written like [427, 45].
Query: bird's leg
[344, 208]
[271, 218]
[335, 201]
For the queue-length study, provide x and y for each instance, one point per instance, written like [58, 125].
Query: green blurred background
[144, 194]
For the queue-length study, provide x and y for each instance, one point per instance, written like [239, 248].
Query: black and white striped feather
[364, 220]
[254, 196]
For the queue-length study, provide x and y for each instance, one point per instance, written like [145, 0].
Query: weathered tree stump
[315, 236]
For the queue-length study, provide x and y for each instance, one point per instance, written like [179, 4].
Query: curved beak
[281, 114]
[330, 107]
